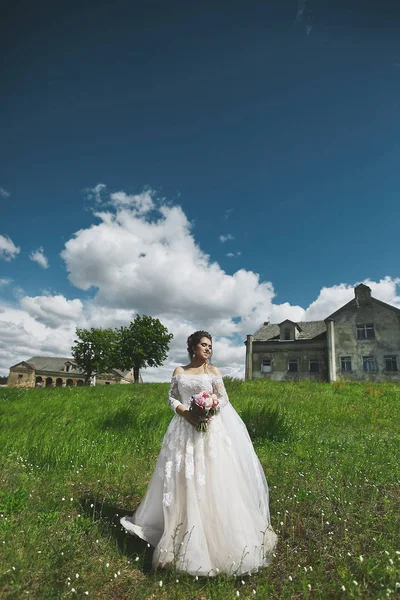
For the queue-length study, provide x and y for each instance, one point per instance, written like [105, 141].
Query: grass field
[74, 459]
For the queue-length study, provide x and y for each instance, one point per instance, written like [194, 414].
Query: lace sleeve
[220, 391]
[173, 395]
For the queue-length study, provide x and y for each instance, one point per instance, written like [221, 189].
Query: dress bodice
[184, 386]
[188, 385]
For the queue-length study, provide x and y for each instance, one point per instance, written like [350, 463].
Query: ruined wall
[385, 343]
[281, 352]
[21, 377]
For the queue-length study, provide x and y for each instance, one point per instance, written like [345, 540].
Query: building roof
[50, 363]
[297, 325]
[308, 331]
[353, 303]
[57, 365]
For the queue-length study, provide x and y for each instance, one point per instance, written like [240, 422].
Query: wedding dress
[206, 507]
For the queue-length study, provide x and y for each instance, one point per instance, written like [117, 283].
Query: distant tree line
[143, 343]
[3, 379]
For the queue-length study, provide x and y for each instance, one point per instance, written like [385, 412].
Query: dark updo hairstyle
[194, 339]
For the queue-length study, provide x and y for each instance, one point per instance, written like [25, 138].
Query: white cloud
[8, 250]
[4, 193]
[46, 325]
[53, 311]
[39, 257]
[232, 254]
[330, 299]
[23, 336]
[155, 266]
[4, 281]
[94, 194]
[140, 204]
[226, 238]
[142, 257]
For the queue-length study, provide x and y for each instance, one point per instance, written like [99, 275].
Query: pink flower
[215, 401]
[209, 403]
[206, 404]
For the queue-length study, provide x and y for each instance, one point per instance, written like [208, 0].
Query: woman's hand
[191, 418]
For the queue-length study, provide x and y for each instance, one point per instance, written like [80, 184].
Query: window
[366, 332]
[345, 363]
[369, 363]
[293, 366]
[266, 366]
[391, 363]
[314, 365]
[287, 334]
[20, 376]
[107, 383]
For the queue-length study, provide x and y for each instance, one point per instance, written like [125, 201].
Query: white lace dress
[206, 507]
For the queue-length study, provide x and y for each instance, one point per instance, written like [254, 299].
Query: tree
[145, 343]
[94, 351]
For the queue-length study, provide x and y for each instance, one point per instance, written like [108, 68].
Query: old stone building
[47, 371]
[358, 342]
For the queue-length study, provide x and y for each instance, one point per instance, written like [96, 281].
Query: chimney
[363, 295]
[266, 322]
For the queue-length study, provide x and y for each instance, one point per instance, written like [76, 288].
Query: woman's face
[204, 348]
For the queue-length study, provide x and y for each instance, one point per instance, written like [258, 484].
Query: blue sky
[274, 123]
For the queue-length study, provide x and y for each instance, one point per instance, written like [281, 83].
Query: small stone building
[47, 371]
[358, 342]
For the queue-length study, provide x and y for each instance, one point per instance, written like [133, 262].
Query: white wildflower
[160, 583]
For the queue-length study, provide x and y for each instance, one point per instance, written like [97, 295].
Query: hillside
[73, 459]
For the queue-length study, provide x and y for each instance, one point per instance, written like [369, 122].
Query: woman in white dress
[206, 507]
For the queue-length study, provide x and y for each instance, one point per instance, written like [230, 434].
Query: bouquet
[205, 405]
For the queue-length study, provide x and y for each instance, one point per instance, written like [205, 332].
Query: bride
[206, 508]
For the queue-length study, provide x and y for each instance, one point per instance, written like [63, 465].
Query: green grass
[74, 459]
